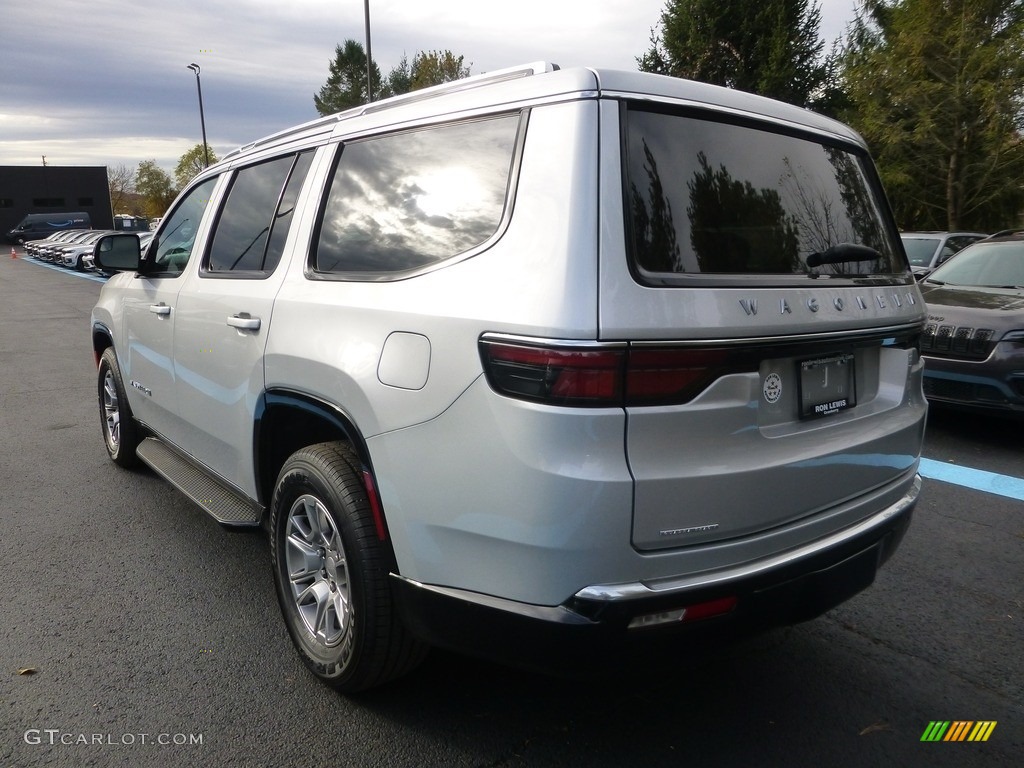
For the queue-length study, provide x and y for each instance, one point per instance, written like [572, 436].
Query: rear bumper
[789, 588]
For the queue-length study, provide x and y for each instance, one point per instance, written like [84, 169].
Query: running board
[223, 504]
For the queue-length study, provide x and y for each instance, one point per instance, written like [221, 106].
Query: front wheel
[331, 573]
[120, 432]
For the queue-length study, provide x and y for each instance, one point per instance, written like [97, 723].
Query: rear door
[224, 312]
[771, 317]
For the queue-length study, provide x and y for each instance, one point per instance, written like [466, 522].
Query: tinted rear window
[718, 198]
[920, 250]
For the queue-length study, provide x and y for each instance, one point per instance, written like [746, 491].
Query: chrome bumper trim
[611, 593]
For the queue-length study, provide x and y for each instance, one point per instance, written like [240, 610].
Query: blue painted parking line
[979, 480]
[65, 270]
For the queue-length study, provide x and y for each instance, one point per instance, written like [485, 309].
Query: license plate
[827, 386]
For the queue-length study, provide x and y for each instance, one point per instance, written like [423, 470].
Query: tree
[191, 163]
[400, 78]
[121, 183]
[937, 89]
[769, 47]
[156, 187]
[346, 82]
[436, 67]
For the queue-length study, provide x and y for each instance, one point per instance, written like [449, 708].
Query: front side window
[410, 200]
[719, 198]
[171, 248]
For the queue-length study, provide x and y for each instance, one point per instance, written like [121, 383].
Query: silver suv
[533, 365]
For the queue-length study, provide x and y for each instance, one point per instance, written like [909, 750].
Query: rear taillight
[559, 376]
[605, 376]
[660, 376]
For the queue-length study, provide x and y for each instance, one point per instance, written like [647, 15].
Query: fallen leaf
[875, 727]
[27, 671]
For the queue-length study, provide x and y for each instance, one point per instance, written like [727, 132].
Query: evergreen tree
[346, 82]
[768, 47]
[937, 89]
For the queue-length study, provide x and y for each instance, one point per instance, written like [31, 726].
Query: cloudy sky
[104, 82]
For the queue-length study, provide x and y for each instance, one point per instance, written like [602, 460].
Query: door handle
[160, 309]
[244, 320]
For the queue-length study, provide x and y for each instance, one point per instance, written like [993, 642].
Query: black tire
[120, 431]
[331, 573]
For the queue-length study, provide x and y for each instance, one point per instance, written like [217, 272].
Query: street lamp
[369, 58]
[202, 120]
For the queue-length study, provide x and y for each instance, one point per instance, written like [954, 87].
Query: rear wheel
[120, 432]
[331, 572]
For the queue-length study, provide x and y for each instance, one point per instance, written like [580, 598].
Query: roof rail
[324, 122]
[465, 84]
[454, 86]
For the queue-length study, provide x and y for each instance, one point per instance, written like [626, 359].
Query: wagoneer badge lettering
[750, 305]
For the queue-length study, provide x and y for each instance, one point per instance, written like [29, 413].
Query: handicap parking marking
[63, 270]
[978, 479]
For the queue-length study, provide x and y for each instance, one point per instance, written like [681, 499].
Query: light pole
[202, 120]
[369, 58]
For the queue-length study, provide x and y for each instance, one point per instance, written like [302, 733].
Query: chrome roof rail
[467, 83]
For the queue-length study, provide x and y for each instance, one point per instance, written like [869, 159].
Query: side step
[225, 505]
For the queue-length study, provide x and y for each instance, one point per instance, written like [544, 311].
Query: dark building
[26, 189]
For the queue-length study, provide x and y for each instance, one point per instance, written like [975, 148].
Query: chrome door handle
[244, 320]
[160, 309]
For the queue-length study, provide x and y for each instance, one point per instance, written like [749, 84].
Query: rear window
[920, 250]
[707, 197]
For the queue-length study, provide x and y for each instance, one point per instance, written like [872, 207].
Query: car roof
[532, 83]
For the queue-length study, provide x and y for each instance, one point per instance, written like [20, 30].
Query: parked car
[72, 256]
[537, 364]
[974, 337]
[51, 251]
[34, 247]
[88, 260]
[927, 250]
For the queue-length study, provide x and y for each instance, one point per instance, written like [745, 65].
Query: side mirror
[117, 253]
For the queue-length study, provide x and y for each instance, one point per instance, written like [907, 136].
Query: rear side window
[253, 224]
[706, 197]
[409, 200]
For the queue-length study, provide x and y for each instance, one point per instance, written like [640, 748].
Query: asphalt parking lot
[150, 636]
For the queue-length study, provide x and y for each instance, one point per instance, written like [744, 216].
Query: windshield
[990, 265]
[710, 197]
